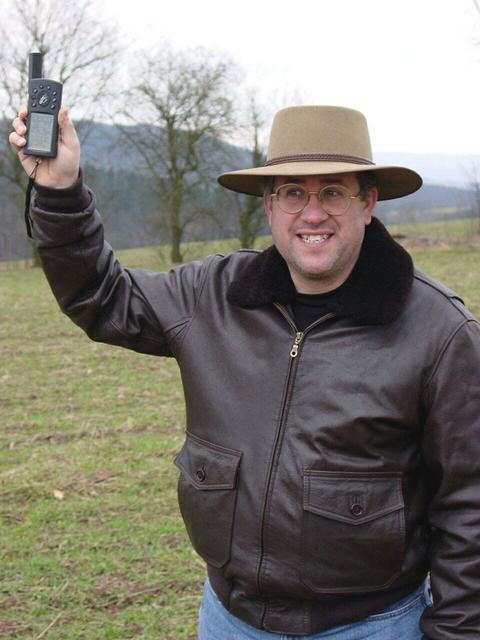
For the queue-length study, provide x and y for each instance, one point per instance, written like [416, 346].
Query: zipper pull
[294, 349]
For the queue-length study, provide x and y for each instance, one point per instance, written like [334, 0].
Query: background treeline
[156, 129]
[131, 207]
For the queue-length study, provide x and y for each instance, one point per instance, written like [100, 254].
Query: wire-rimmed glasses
[335, 199]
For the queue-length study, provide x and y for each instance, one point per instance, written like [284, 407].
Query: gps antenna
[35, 66]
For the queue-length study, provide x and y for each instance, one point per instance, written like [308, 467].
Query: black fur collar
[374, 293]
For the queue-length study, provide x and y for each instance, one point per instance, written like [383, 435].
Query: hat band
[328, 157]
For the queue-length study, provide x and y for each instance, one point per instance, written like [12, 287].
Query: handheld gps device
[44, 101]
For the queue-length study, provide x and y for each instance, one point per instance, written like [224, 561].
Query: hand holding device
[44, 100]
[57, 170]
[49, 160]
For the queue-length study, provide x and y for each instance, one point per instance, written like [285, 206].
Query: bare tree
[251, 135]
[80, 51]
[183, 101]
[251, 217]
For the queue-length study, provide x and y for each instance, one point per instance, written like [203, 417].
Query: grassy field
[92, 545]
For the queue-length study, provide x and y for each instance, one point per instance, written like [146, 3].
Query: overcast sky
[412, 66]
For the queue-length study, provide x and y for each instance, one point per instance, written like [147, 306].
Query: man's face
[317, 267]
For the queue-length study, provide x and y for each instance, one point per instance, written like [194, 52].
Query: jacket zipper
[294, 352]
[294, 349]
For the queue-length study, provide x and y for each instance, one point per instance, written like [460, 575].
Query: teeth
[314, 239]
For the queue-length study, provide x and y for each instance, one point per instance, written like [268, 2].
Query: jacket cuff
[71, 200]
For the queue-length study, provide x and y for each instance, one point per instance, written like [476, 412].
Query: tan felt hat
[318, 140]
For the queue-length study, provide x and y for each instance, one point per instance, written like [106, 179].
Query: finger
[23, 112]
[19, 126]
[17, 141]
[69, 135]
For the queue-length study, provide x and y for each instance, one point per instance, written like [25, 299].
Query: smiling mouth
[317, 239]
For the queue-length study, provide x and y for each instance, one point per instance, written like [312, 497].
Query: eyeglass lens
[293, 198]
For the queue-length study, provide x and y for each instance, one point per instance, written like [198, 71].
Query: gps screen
[40, 132]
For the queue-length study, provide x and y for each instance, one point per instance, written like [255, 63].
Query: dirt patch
[57, 437]
[10, 628]
[114, 594]
[9, 603]
[172, 541]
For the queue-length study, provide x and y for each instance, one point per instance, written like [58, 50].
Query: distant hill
[445, 176]
[128, 202]
[438, 169]
[103, 147]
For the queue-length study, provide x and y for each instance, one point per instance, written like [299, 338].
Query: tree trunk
[249, 221]
[175, 249]
[176, 229]
[245, 236]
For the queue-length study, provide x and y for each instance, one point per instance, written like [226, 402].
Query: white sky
[412, 66]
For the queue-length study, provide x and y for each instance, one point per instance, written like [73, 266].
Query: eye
[291, 192]
[332, 193]
[294, 193]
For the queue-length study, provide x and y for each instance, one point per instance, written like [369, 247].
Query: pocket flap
[208, 466]
[354, 498]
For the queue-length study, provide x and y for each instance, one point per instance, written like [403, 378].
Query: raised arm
[137, 309]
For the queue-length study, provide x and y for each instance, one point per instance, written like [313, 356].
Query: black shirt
[309, 307]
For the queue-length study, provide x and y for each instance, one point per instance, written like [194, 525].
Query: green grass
[448, 231]
[101, 426]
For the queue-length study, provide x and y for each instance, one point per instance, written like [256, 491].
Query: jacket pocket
[207, 496]
[353, 531]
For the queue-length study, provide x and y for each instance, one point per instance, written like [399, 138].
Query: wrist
[64, 183]
[72, 198]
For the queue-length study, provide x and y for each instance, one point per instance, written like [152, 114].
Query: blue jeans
[400, 620]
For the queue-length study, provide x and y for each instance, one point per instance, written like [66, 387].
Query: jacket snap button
[356, 509]
[200, 474]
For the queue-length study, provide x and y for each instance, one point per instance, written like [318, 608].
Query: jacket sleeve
[145, 311]
[451, 451]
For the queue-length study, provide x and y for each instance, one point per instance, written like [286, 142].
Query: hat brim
[391, 181]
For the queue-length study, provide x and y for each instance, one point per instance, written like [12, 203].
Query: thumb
[67, 130]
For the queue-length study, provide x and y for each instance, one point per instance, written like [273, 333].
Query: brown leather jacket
[340, 463]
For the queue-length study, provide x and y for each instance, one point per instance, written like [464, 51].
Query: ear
[267, 207]
[369, 204]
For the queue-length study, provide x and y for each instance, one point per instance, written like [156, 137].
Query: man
[332, 454]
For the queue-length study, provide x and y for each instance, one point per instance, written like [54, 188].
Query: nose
[313, 212]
